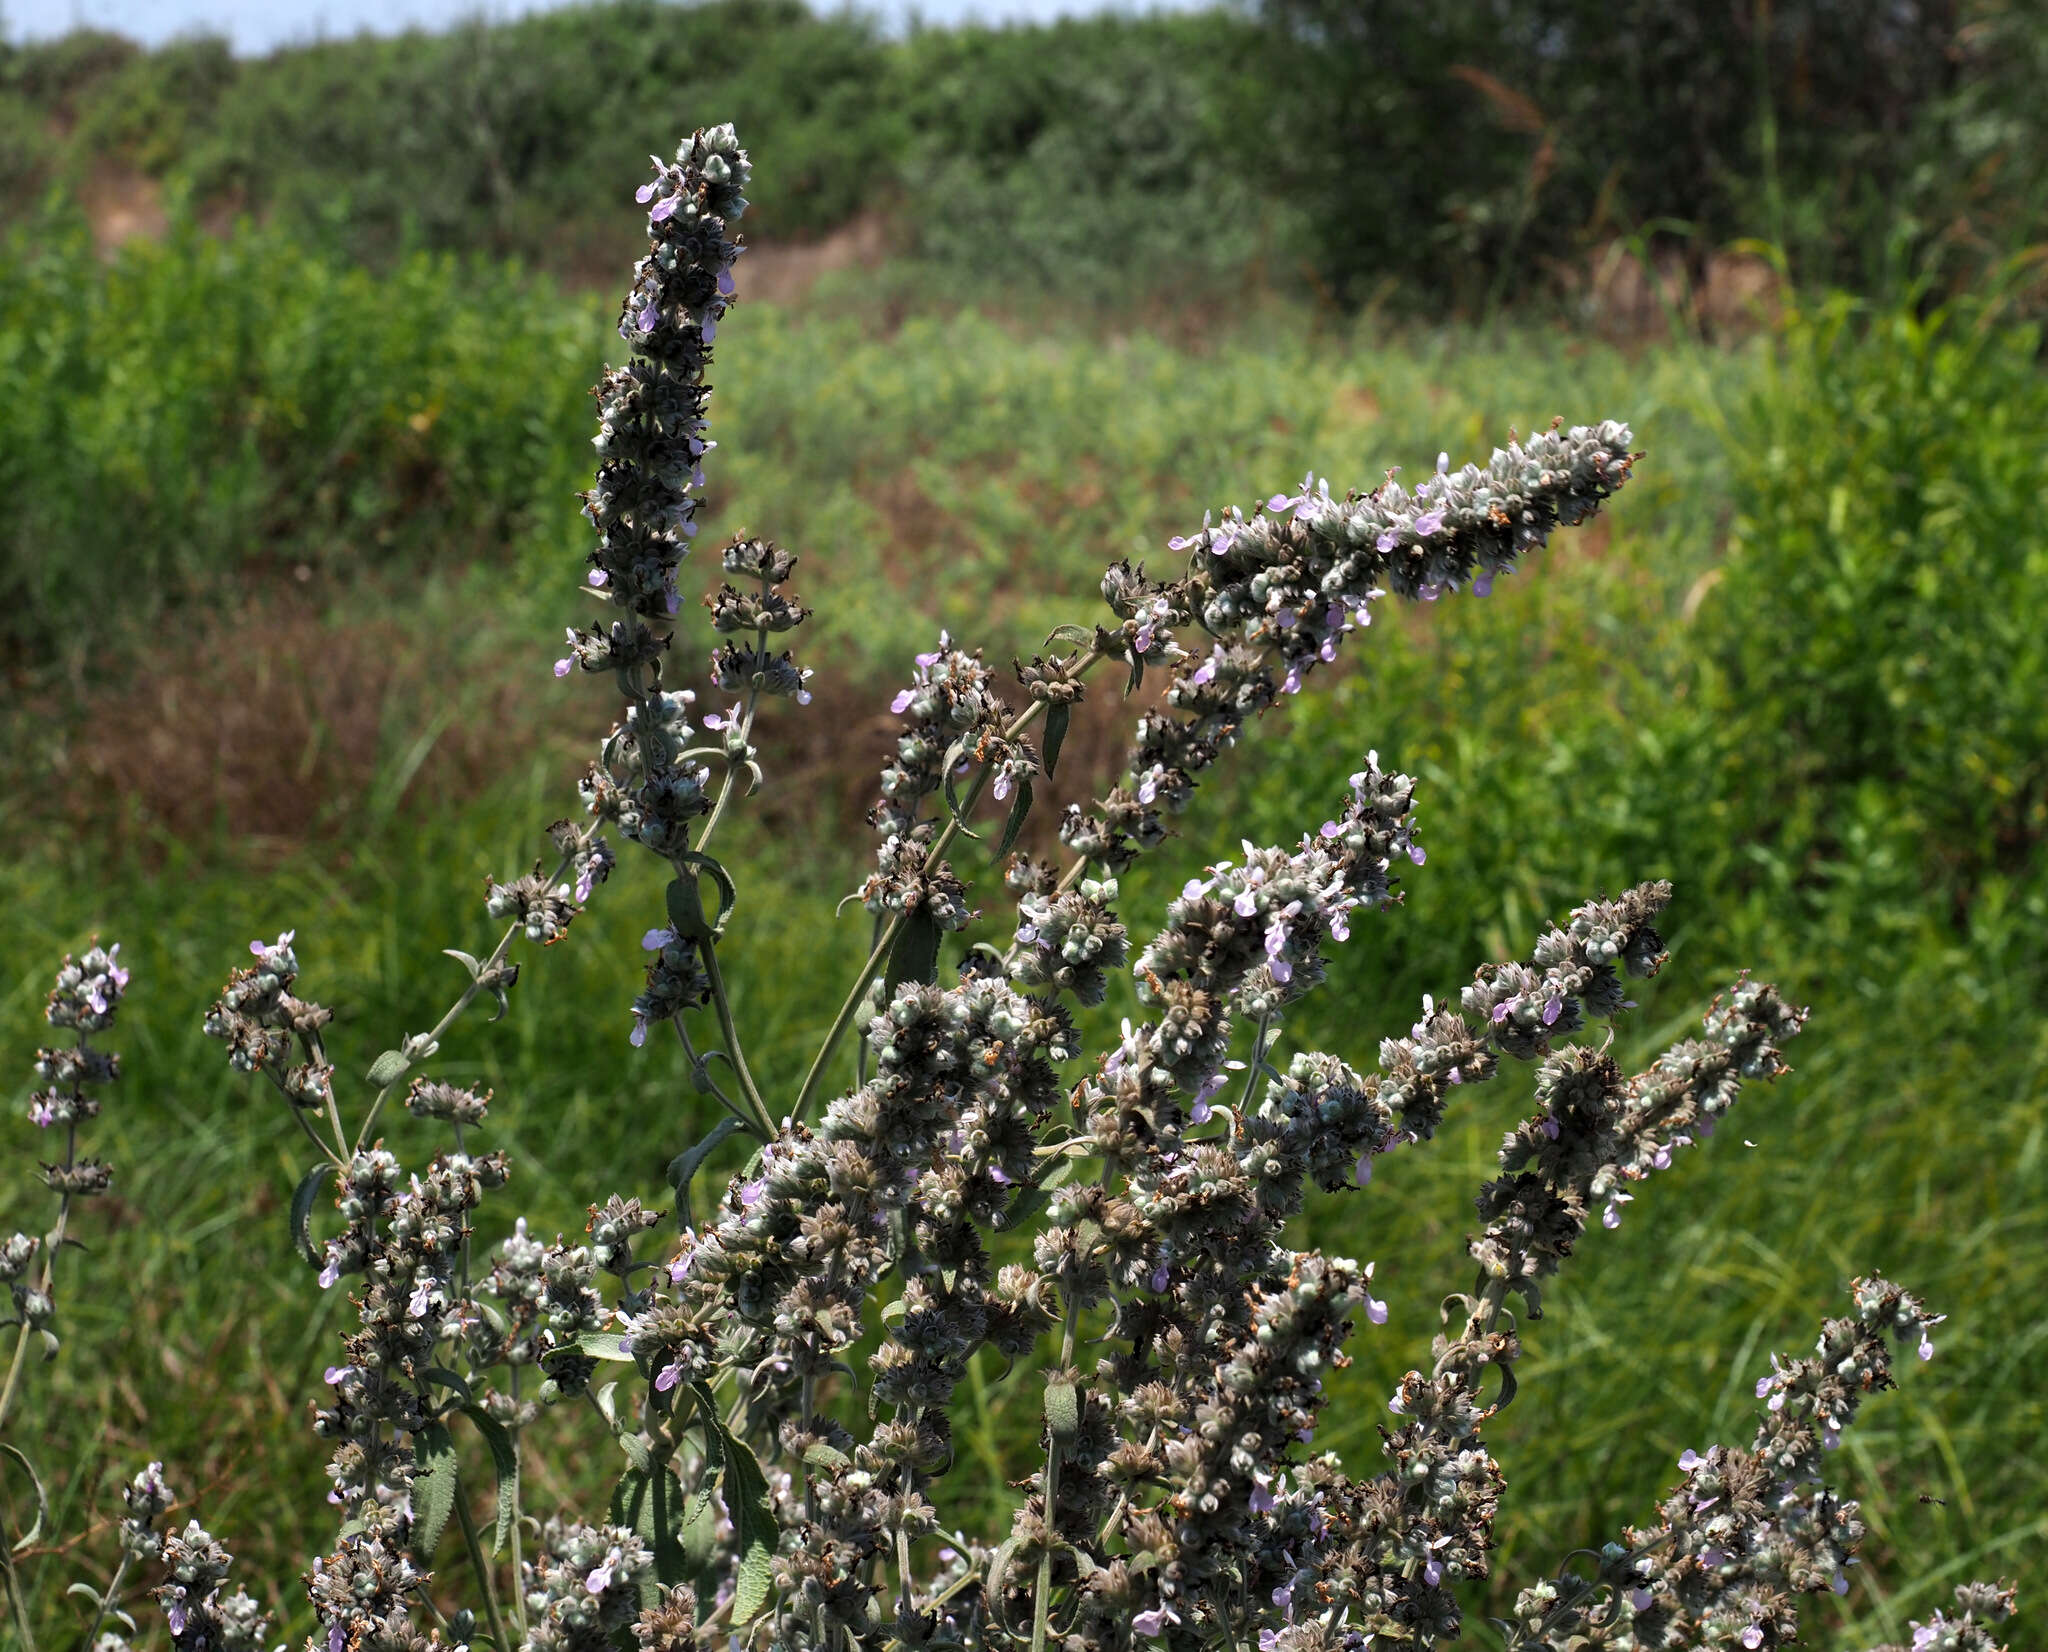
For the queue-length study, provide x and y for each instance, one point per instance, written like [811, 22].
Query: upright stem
[52, 1245]
[1041, 1609]
[762, 1122]
[113, 1588]
[482, 1567]
[490, 964]
[518, 1560]
[944, 841]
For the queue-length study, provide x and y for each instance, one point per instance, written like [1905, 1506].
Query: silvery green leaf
[302, 1211]
[434, 1489]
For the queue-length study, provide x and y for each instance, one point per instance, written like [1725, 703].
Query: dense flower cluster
[84, 1001]
[780, 1378]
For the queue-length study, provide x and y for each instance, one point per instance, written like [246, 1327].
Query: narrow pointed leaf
[915, 957]
[1057, 716]
[685, 1166]
[302, 1211]
[1015, 824]
[505, 1460]
[434, 1489]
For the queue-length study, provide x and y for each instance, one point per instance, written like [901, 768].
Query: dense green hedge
[1442, 155]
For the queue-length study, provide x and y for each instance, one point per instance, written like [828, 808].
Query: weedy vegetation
[978, 1316]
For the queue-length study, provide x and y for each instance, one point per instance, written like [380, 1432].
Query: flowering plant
[776, 1370]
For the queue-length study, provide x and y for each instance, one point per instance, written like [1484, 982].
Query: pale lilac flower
[1148, 1625]
[600, 1578]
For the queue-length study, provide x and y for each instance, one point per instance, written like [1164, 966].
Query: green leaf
[1057, 716]
[955, 753]
[1069, 633]
[728, 895]
[42, 1497]
[388, 1069]
[746, 1501]
[434, 1489]
[1137, 676]
[818, 1454]
[686, 911]
[451, 1380]
[1015, 824]
[302, 1211]
[915, 957]
[473, 965]
[505, 1460]
[686, 1165]
[646, 1500]
[599, 1345]
[1062, 1410]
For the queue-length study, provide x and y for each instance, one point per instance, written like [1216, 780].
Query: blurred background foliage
[293, 360]
[1403, 149]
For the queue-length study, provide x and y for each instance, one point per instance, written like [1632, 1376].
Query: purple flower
[600, 1578]
[710, 329]
[1162, 1276]
[1429, 522]
[725, 282]
[1841, 1583]
[599, 578]
[1147, 1625]
[1432, 1573]
[1639, 1599]
[638, 1036]
[649, 318]
[998, 1175]
[335, 1373]
[43, 1114]
[664, 208]
[562, 667]
[1363, 1174]
[1711, 1558]
[337, 1637]
[1926, 1348]
[1552, 1010]
[1389, 540]
[1690, 1459]
[1483, 586]
[1752, 1637]
[750, 1192]
[669, 1375]
[1261, 1499]
[1375, 1309]
[1500, 1010]
[1417, 853]
[329, 1274]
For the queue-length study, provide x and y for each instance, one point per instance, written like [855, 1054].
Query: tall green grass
[1673, 692]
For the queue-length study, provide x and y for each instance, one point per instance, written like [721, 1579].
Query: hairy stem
[481, 1566]
[879, 956]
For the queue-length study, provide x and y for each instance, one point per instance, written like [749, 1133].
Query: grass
[1600, 719]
